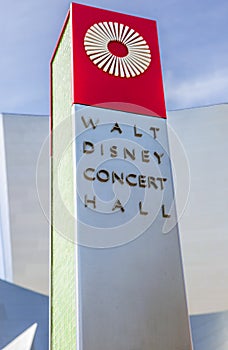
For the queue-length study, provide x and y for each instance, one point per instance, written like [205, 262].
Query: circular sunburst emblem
[117, 49]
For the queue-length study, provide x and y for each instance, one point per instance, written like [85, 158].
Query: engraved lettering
[90, 201]
[90, 122]
[142, 181]
[129, 182]
[102, 149]
[136, 134]
[145, 156]
[162, 180]
[116, 127]
[103, 175]
[141, 210]
[113, 151]
[154, 131]
[87, 177]
[158, 156]
[118, 205]
[88, 147]
[128, 153]
[164, 213]
[115, 177]
[151, 182]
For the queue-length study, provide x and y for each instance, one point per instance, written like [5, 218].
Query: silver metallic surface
[203, 225]
[130, 291]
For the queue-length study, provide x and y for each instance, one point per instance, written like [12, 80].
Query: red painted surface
[118, 49]
[92, 86]
[142, 94]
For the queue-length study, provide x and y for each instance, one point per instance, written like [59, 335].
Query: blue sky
[192, 36]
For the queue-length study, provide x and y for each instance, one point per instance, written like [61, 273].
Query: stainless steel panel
[130, 284]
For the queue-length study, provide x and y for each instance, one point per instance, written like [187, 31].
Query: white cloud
[197, 91]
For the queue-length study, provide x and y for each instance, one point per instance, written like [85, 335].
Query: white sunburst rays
[136, 61]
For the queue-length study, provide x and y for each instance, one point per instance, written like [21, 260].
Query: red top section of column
[116, 61]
